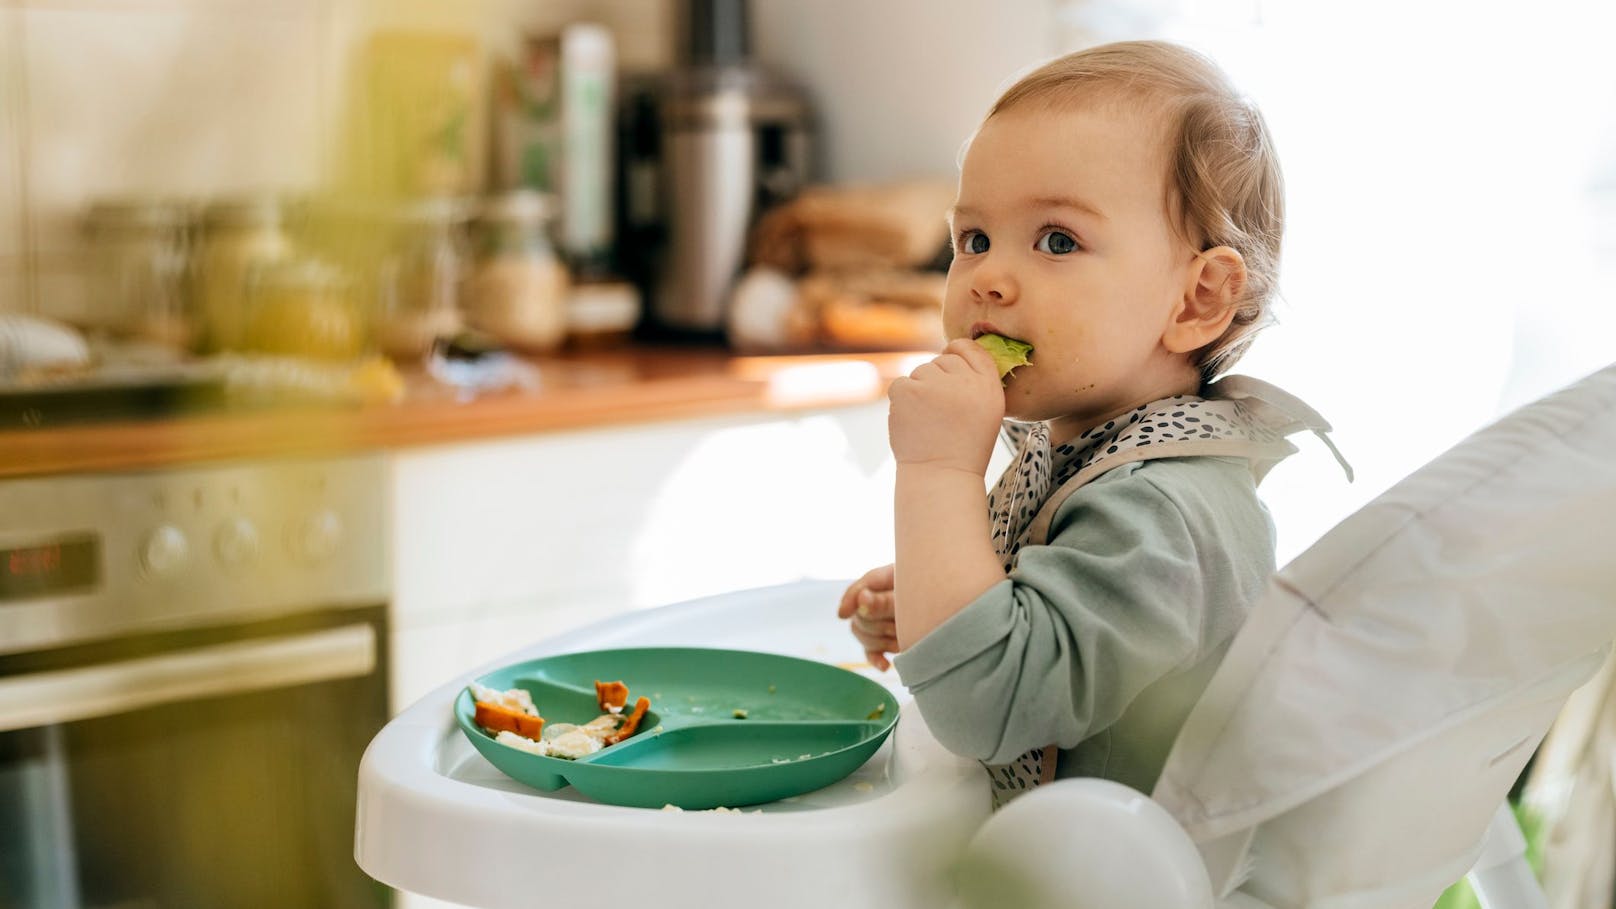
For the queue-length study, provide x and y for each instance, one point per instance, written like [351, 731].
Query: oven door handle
[66, 695]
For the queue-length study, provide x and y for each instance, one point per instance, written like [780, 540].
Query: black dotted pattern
[1015, 778]
[1021, 490]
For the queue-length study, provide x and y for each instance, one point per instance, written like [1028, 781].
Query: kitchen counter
[576, 391]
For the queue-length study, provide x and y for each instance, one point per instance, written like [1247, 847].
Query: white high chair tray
[436, 818]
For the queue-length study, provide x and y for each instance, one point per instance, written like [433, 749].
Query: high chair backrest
[1395, 678]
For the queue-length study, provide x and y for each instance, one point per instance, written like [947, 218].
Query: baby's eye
[973, 241]
[1056, 242]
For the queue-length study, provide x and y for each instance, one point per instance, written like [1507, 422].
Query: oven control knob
[318, 536]
[236, 542]
[165, 551]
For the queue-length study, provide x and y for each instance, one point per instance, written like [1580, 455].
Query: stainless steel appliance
[735, 139]
[191, 665]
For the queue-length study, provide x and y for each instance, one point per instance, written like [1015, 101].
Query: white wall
[1442, 259]
[13, 289]
[899, 84]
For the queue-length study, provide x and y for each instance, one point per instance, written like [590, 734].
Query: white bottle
[588, 94]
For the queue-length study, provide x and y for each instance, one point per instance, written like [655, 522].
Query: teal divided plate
[725, 727]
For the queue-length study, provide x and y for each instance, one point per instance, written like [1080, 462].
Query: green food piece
[740, 714]
[1008, 353]
[877, 712]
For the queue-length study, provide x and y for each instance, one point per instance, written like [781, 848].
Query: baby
[1120, 210]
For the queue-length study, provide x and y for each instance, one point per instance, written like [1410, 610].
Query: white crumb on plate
[512, 699]
[522, 743]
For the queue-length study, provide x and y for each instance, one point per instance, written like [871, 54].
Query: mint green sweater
[1102, 640]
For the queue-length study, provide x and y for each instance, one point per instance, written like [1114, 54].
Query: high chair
[1356, 747]
[1351, 752]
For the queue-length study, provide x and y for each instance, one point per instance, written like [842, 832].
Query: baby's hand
[868, 601]
[948, 411]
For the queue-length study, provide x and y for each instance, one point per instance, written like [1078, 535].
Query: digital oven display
[59, 566]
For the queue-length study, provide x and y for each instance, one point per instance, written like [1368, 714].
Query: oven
[191, 665]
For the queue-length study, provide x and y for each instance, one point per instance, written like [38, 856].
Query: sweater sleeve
[1056, 652]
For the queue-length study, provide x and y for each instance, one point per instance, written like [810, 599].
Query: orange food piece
[610, 694]
[630, 724]
[495, 718]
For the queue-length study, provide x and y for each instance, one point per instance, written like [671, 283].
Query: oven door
[197, 768]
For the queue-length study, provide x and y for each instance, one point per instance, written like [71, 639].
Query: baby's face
[1062, 239]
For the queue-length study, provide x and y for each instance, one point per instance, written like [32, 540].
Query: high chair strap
[1262, 415]
[1287, 411]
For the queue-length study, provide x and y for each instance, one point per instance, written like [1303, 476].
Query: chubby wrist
[943, 491]
[942, 469]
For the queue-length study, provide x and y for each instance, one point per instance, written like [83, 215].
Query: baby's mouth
[983, 329]
[988, 328]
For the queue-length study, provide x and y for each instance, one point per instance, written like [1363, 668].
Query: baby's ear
[1213, 285]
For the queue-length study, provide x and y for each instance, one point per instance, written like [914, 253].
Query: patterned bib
[1237, 416]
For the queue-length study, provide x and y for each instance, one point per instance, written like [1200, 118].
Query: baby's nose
[996, 288]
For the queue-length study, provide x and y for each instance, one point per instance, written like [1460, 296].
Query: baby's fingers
[974, 355]
[876, 644]
[881, 578]
[868, 630]
[849, 603]
[876, 604]
[876, 579]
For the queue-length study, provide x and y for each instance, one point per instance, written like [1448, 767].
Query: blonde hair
[1224, 183]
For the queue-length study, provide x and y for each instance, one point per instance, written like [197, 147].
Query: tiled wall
[199, 98]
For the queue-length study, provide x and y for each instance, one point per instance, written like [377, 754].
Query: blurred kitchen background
[1450, 175]
[483, 320]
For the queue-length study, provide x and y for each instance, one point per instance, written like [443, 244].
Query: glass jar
[421, 285]
[238, 237]
[519, 289]
[141, 256]
[356, 235]
[303, 308]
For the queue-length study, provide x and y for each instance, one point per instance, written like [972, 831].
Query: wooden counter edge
[713, 387]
